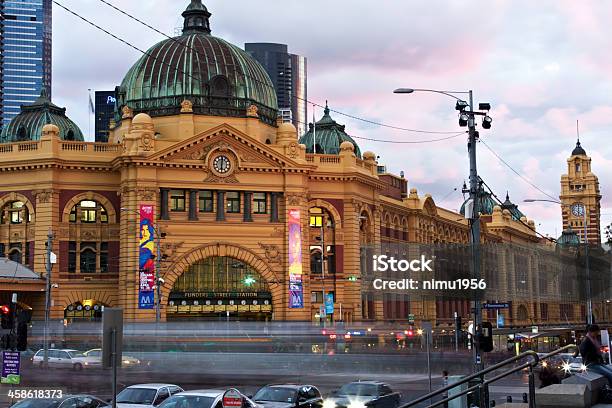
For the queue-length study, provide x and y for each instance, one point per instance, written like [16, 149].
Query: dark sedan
[67, 401]
[364, 394]
[289, 396]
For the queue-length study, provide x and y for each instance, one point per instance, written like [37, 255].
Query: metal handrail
[480, 375]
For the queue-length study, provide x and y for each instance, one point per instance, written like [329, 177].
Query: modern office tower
[289, 76]
[26, 54]
[104, 113]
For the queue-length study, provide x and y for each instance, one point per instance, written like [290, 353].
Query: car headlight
[126, 362]
[329, 403]
[583, 368]
[356, 404]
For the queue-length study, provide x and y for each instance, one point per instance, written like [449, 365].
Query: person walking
[590, 350]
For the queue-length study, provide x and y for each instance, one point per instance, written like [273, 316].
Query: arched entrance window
[84, 310]
[220, 287]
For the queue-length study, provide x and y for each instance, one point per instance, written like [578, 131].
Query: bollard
[509, 398]
[525, 397]
[492, 404]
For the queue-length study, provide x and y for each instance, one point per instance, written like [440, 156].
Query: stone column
[163, 204]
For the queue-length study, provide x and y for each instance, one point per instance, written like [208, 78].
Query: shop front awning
[15, 276]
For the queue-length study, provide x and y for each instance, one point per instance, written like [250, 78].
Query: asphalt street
[249, 371]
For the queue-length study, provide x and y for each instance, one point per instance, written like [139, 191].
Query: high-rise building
[104, 113]
[26, 54]
[289, 76]
[581, 197]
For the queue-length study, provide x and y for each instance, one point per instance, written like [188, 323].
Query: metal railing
[481, 386]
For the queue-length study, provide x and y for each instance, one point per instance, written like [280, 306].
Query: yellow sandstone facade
[222, 177]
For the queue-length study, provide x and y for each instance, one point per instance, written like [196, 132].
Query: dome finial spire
[196, 18]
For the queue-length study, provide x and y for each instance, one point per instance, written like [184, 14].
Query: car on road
[66, 401]
[362, 394]
[65, 358]
[145, 395]
[289, 396]
[126, 361]
[202, 399]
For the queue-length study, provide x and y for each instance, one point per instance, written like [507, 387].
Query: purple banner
[10, 368]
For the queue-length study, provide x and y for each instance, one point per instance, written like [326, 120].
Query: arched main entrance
[220, 288]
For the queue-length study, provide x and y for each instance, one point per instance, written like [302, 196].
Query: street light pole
[468, 118]
[48, 265]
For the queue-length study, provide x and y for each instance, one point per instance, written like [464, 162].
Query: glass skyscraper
[25, 64]
[289, 76]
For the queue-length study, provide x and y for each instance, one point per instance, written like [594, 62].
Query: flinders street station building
[202, 192]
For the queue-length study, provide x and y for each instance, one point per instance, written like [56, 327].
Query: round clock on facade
[222, 164]
[578, 210]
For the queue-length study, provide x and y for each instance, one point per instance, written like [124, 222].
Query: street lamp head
[403, 91]
[461, 105]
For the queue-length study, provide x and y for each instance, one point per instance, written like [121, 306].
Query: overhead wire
[354, 117]
[525, 179]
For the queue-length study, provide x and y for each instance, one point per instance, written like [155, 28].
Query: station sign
[495, 305]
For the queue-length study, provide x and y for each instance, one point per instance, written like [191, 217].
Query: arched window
[522, 313]
[70, 135]
[90, 212]
[16, 212]
[15, 255]
[322, 240]
[88, 258]
[22, 134]
[219, 86]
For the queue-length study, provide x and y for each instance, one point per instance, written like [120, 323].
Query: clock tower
[580, 197]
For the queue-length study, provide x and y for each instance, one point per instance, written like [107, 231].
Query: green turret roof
[485, 206]
[328, 134]
[219, 78]
[513, 208]
[28, 124]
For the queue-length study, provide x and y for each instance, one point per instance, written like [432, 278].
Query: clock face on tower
[578, 210]
[222, 165]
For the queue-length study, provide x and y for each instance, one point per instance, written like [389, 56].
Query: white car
[65, 358]
[146, 395]
[126, 361]
[202, 399]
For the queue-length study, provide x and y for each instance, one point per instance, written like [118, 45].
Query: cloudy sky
[542, 65]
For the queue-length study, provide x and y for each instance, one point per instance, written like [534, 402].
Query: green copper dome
[29, 123]
[513, 208]
[327, 135]
[217, 77]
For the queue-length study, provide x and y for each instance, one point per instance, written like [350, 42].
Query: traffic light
[23, 319]
[485, 337]
[6, 316]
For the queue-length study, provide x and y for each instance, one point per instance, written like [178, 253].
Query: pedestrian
[445, 383]
[590, 350]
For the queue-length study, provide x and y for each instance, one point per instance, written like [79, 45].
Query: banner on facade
[146, 292]
[296, 291]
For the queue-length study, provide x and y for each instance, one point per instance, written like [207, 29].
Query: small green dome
[28, 125]
[219, 78]
[568, 238]
[513, 208]
[329, 135]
